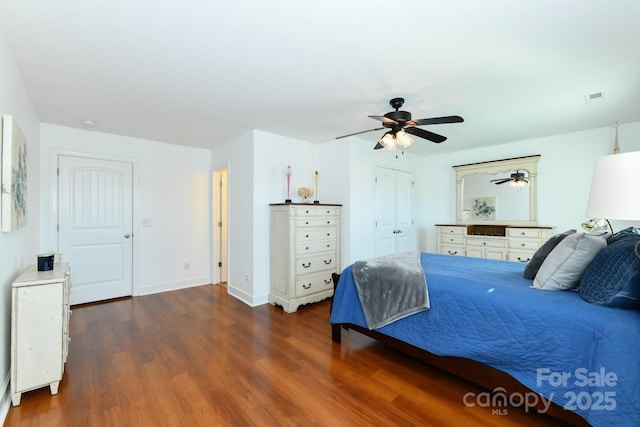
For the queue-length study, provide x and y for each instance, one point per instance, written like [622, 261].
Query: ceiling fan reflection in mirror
[516, 179]
[400, 125]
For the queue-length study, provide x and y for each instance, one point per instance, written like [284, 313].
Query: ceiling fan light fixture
[403, 139]
[388, 140]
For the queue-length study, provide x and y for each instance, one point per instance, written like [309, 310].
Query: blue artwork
[484, 208]
[14, 176]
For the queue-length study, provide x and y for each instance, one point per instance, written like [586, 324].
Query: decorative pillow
[613, 278]
[564, 266]
[541, 254]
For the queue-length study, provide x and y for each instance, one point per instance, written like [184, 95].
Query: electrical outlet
[247, 276]
[146, 222]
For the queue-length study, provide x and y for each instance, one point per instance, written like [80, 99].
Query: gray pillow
[541, 254]
[568, 261]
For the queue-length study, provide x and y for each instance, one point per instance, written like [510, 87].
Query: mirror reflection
[498, 191]
[499, 197]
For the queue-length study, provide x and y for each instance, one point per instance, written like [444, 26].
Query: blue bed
[583, 357]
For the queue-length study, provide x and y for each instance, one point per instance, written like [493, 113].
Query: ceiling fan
[518, 178]
[401, 124]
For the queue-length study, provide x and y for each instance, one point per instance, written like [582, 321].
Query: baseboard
[5, 400]
[246, 298]
[172, 286]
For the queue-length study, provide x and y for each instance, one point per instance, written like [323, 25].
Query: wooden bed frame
[467, 369]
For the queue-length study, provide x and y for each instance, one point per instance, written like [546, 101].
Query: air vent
[594, 97]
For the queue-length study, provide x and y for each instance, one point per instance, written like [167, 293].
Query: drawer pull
[451, 231]
[328, 222]
[453, 253]
[523, 244]
[327, 281]
[306, 222]
[484, 243]
[328, 212]
[307, 286]
[523, 260]
[523, 233]
[328, 245]
[451, 240]
[307, 265]
[307, 211]
[306, 248]
[327, 262]
[328, 234]
[306, 235]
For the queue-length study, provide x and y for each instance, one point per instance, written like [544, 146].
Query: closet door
[393, 211]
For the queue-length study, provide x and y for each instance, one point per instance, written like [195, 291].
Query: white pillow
[566, 263]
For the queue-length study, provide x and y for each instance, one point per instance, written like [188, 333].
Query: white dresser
[39, 329]
[304, 253]
[512, 243]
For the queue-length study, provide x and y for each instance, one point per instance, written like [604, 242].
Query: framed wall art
[484, 208]
[14, 175]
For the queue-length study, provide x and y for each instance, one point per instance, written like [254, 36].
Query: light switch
[146, 222]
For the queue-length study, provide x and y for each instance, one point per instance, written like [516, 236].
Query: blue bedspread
[583, 357]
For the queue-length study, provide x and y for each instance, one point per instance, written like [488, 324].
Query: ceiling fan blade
[433, 137]
[384, 119]
[378, 146]
[501, 181]
[437, 120]
[358, 133]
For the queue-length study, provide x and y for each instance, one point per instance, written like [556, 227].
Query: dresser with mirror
[496, 214]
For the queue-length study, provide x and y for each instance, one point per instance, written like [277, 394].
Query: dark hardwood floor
[199, 357]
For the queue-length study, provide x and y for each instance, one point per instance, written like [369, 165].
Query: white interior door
[385, 212]
[404, 212]
[95, 216]
[393, 211]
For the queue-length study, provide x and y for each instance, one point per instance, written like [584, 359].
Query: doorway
[220, 226]
[95, 226]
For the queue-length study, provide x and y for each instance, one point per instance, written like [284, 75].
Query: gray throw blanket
[391, 288]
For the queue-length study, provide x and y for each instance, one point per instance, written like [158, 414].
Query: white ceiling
[199, 72]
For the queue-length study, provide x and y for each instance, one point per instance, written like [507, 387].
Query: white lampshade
[614, 187]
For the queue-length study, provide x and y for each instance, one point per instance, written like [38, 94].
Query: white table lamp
[614, 183]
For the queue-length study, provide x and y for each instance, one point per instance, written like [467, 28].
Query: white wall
[257, 164]
[360, 173]
[171, 187]
[18, 248]
[237, 156]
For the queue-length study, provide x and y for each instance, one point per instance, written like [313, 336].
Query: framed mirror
[497, 192]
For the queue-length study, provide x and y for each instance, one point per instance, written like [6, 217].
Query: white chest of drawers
[39, 329]
[304, 253]
[509, 243]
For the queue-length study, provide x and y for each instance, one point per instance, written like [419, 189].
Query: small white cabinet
[304, 253]
[39, 329]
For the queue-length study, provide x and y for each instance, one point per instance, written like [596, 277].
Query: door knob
[126, 236]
